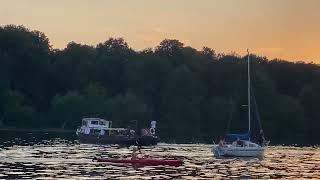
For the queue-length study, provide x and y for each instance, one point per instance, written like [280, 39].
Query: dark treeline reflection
[192, 94]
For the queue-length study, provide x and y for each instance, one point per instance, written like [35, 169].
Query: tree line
[194, 95]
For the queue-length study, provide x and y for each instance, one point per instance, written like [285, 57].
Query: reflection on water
[66, 159]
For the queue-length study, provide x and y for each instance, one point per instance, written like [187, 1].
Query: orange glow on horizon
[286, 29]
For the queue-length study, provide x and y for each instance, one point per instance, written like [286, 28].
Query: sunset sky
[288, 29]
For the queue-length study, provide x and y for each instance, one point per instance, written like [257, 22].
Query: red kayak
[143, 162]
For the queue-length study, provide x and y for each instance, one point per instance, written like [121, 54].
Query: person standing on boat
[221, 142]
[262, 140]
[102, 132]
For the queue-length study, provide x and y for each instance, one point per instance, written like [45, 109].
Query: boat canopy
[234, 137]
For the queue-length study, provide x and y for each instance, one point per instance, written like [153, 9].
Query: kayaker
[134, 154]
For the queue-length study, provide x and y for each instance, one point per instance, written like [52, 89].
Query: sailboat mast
[249, 96]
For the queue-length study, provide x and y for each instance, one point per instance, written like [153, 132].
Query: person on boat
[101, 133]
[134, 154]
[239, 142]
[262, 140]
[221, 142]
[234, 143]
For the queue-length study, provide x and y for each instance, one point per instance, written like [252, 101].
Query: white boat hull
[236, 151]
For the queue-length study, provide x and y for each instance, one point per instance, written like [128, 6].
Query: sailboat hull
[236, 151]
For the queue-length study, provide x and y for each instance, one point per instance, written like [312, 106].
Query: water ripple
[68, 160]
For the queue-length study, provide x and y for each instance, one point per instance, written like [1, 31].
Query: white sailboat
[240, 145]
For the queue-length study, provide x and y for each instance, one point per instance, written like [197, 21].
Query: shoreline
[44, 130]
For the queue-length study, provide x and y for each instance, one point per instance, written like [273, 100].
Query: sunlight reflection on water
[69, 160]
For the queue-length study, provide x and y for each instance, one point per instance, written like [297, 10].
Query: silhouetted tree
[193, 94]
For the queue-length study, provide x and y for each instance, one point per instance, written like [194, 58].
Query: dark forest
[194, 95]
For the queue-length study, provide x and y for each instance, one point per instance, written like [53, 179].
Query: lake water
[57, 158]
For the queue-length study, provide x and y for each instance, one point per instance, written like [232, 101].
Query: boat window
[94, 122]
[102, 123]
